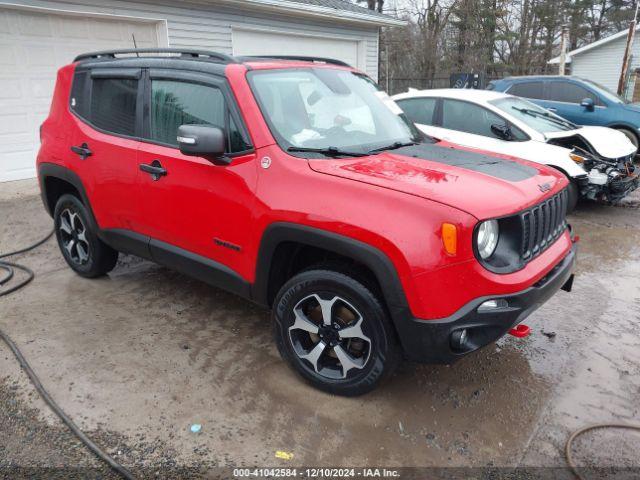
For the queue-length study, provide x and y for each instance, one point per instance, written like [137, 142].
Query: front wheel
[574, 195]
[334, 332]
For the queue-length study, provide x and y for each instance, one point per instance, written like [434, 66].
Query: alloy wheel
[327, 334]
[73, 234]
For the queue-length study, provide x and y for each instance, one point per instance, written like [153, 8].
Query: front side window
[175, 103]
[568, 92]
[113, 104]
[419, 110]
[324, 108]
[469, 118]
[527, 90]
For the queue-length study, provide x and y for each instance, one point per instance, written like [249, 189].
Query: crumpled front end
[609, 179]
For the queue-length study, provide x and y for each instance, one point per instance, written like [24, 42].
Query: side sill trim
[196, 266]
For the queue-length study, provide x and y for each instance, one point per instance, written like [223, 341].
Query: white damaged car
[597, 160]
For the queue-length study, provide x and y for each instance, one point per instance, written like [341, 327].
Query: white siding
[602, 64]
[209, 26]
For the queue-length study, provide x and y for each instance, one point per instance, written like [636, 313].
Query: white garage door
[33, 45]
[253, 42]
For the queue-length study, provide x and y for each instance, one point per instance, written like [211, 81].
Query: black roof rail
[332, 61]
[223, 58]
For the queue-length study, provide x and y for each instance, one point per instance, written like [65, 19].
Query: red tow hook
[520, 331]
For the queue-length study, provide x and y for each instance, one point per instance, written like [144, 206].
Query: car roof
[178, 55]
[539, 77]
[455, 93]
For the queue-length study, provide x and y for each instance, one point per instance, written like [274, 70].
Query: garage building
[37, 37]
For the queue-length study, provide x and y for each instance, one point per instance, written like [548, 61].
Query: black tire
[574, 196]
[83, 251]
[377, 356]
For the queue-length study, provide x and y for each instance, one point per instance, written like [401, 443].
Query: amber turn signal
[450, 238]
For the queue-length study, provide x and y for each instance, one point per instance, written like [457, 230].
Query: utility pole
[563, 49]
[627, 53]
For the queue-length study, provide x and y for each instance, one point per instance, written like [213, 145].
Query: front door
[470, 125]
[563, 97]
[193, 206]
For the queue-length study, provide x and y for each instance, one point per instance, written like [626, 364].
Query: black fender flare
[369, 256]
[52, 170]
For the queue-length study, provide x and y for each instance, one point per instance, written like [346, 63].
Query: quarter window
[113, 104]
[419, 110]
[527, 90]
[78, 101]
[175, 103]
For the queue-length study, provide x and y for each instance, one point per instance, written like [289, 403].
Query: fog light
[458, 339]
[492, 305]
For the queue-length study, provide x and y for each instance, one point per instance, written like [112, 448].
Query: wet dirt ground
[137, 357]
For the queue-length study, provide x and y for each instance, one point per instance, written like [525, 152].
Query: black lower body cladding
[430, 341]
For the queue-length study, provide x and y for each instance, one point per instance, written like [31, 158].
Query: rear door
[563, 97]
[197, 207]
[103, 142]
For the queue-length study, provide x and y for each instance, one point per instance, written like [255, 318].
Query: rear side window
[527, 90]
[175, 103]
[569, 93]
[113, 104]
[419, 110]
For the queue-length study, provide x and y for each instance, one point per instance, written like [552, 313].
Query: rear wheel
[334, 332]
[84, 252]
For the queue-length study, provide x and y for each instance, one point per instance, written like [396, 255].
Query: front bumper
[430, 341]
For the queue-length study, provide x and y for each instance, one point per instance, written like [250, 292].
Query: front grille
[543, 224]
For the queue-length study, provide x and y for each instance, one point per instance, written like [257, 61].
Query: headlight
[487, 238]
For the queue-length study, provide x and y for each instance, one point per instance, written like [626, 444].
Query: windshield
[323, 109]
[538, 118]
[605, 92]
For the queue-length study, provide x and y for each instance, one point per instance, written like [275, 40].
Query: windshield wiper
[328, 151]
[393, 146]
[548, 116]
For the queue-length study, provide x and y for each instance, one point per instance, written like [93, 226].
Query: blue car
[578, 100]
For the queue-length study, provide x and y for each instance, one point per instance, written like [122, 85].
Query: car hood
[632, 107]
[482, 184]
[607, 142]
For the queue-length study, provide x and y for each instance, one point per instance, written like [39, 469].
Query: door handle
[551, 109]
[82, 151]
[155, 169]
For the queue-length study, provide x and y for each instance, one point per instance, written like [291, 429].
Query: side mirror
[203, 141]
[587, 103]
[502, 131]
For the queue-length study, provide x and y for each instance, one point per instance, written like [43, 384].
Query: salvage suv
[297, 184]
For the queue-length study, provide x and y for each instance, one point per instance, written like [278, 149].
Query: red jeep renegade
[297, 184]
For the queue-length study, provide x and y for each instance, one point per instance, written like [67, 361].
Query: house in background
[39, 36]
[601, 62]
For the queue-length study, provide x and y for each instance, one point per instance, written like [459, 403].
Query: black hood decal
[478, 162]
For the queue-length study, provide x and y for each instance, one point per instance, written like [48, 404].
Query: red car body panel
[394, 203]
